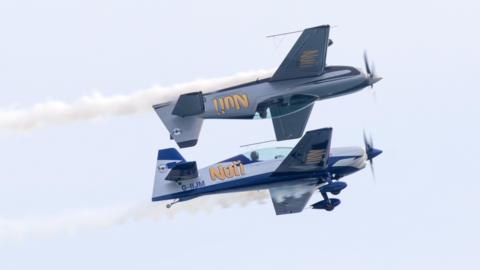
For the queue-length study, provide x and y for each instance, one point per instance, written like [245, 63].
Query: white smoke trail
[98, 106]
[21, 229]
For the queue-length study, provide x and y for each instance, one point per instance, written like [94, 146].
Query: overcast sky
[422, 212]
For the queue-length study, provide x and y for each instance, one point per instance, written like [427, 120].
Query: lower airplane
[291, 175]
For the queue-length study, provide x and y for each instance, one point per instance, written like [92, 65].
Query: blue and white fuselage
[266, 168]
[251, 175]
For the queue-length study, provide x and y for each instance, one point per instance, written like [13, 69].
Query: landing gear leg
[172, 203]
[329, 206]
[329, 178]
[324, 194]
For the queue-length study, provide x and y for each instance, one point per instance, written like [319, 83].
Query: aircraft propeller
[370, 151]
[372, 75]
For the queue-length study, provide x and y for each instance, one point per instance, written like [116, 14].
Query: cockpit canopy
[263, 154]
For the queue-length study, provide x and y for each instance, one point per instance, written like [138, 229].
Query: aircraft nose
[372, 153]
[374, 80]
[371, 78]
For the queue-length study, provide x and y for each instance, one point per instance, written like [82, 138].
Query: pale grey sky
[421, 213]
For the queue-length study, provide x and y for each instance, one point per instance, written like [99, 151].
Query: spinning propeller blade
[371, 73]
[367, 65]
[370, 151]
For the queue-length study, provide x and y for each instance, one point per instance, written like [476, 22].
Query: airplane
[290, 175]
[287, 97]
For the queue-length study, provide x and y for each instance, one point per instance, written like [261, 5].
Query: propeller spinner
[372, 75]
[370, 151]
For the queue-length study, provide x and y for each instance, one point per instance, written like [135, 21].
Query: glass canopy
[267, 153]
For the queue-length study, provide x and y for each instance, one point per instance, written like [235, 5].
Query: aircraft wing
[307, 57]
[291, 199]
[309, 155]
[290, 125]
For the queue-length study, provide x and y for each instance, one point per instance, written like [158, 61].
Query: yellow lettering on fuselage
[237, 102]
[222, 172]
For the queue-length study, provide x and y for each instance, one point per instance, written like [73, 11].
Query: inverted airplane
[287, 97]
[290, 175]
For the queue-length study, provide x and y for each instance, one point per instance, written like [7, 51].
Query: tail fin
[307, 57]
[184, 130]
[166, 160]
[169, 155]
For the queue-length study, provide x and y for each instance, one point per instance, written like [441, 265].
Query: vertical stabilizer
[184, 130]
[166, 160]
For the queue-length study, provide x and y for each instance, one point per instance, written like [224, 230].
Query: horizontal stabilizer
[189, 104]
[183, 171]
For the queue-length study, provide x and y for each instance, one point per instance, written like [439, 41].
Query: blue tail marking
[169, 154]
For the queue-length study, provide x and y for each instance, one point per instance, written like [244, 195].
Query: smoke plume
[97, 106]
[104, 218]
